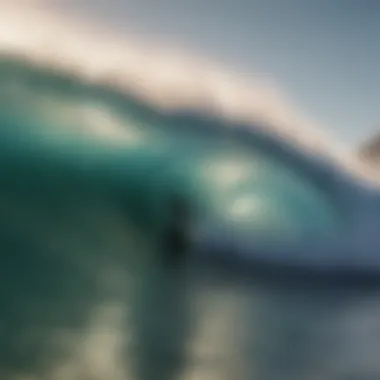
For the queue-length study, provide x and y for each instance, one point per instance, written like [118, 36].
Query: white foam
[161, 77]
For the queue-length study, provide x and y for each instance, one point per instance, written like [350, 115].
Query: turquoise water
[87, 180]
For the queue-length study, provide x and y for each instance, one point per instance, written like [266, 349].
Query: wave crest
[161, 78]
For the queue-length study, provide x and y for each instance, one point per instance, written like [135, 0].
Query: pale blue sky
[324, 53]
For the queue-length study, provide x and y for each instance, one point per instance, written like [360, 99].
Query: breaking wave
[76, 300]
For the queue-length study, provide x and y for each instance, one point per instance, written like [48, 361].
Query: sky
[323, 54]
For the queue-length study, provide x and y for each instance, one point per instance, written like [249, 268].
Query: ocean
[161, 229]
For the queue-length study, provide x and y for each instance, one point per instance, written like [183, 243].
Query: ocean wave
[84, 294]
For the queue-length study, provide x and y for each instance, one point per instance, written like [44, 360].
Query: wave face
[91, 154]
[98, 137]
